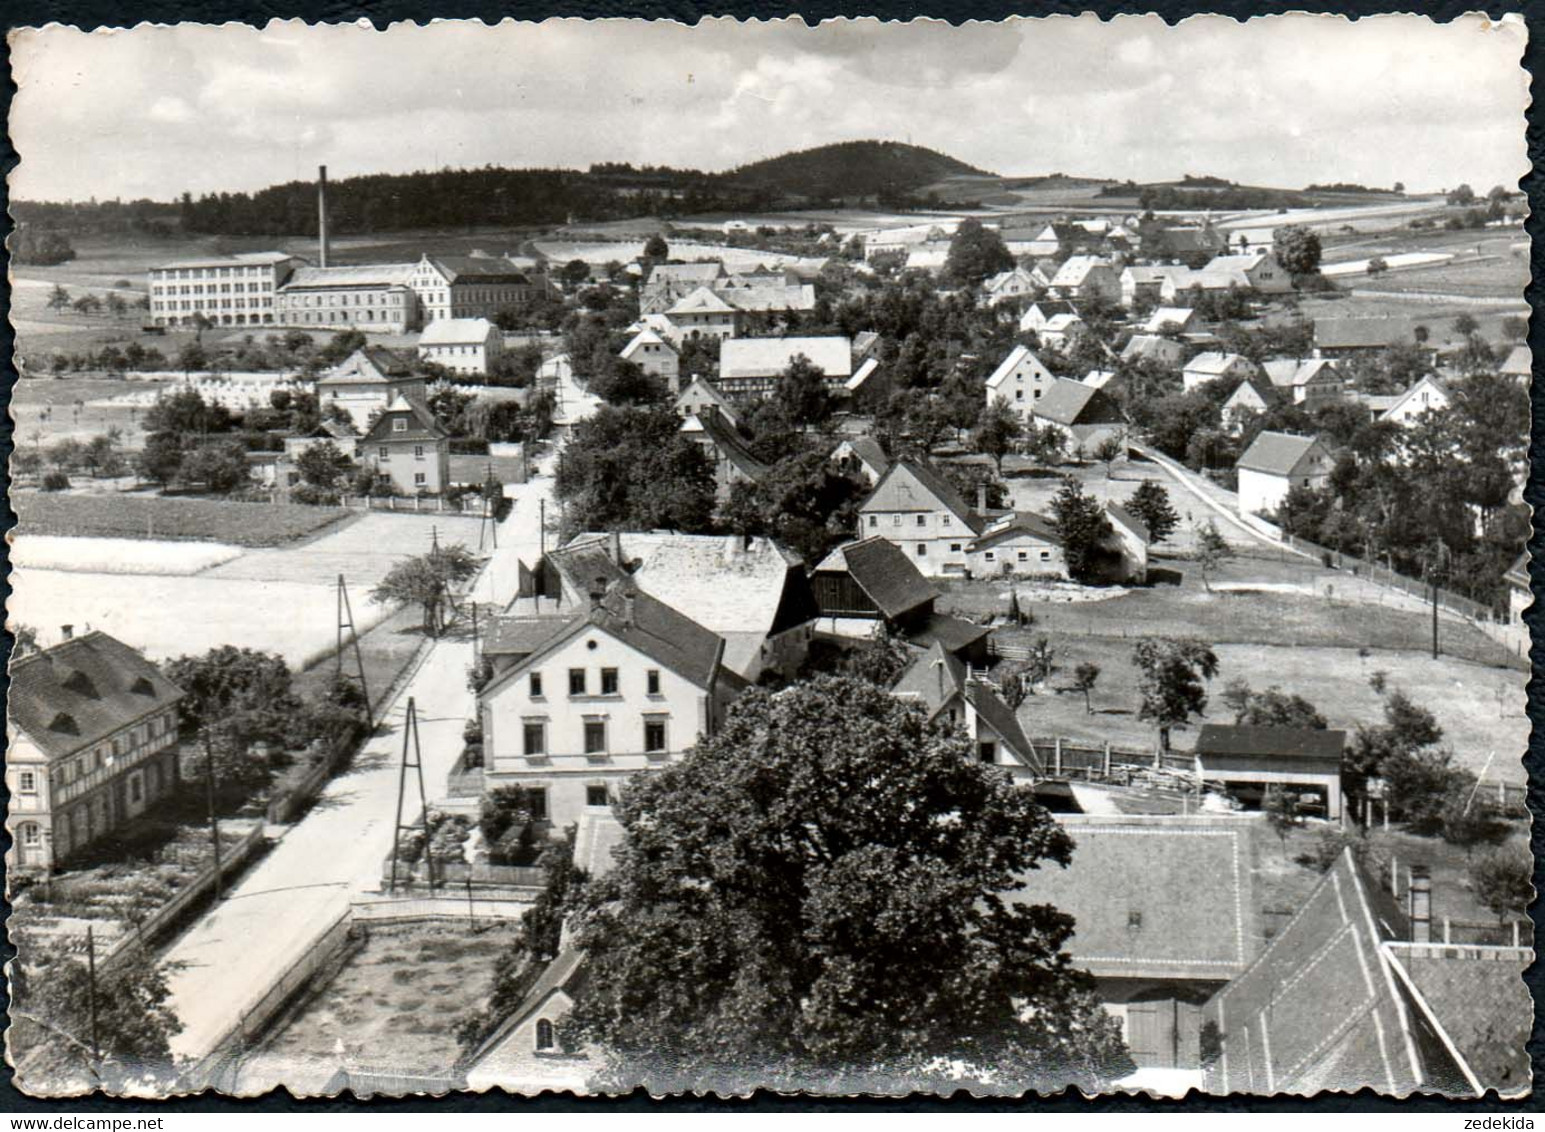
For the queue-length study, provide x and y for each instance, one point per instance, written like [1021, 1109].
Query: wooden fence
[232, 860]
[1064, 758]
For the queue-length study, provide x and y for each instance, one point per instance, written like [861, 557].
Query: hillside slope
[852, 169]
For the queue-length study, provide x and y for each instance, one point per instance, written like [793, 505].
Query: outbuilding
[1249, 760]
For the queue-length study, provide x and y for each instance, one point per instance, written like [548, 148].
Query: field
[47, 410]
[118, 555]
[397, 1000]
[158, 517]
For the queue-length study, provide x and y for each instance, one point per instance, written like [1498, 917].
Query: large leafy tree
[427, 581]
[1298, 249]
[763, 928]
[1150, 503]
[1172, 678]
[975, 253]
[803, 392]
[1082, 526]
[996, 431]
[631, 469]
[805, 502]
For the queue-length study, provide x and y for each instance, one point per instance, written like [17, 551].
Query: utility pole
[1435, 619]
[346, 634]
[91, 994]
[209, 798]
[410, 743]
[542, 525]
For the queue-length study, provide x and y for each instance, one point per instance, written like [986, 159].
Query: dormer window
[64, 723]
[79, 683]
[142, 687]
[399, 424]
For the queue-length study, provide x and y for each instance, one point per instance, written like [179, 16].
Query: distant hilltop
[859, 168]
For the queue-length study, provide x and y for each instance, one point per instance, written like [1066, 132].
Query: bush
[313, 496]
[55, 480]
[1332, 842]
[1503, 881]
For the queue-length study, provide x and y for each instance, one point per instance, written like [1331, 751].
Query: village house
[1410, 1012]
[921, 512]
[285, 467]
[1260, 269]
[700, 396]
[751, 592]
[91, 746]
[668, 283]
[869, 388]
[371, 297]
[1520, 596]
[1086, 417]
[228, 290]
[947, 690]
[624, 685]
[861, 457]
[1277, 462]
[1212, 365]
[1167, 352]
[1252, 396]
[367, 381]
[466, 286]
[1020, 379]
[725, 448]
[1310, 382]
[1248, 761]
[1519, 364]
[408, 450]
[1127, 548]
[1427, 395]
[750, 368]
[767, 305]
[1166, 915]
[1144, 282]
[1210, 280]
[1172, 320]
[1009, 285]
[1085, 277]
[465, 346]
[1063, 331]
[1359, 337]
[702, 314]
[655, 356]
[1022, 544]
[1038, 315]
[900, 241]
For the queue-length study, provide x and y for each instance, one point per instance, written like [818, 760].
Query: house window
[596, 796]
[922, 550]
[536, 802]
[608, 681]
[544, 1035]
[29, 833]
[595, 737]
[945, 519]
[1045, 556]
[535, 739]
[874, 520]
[987, 554]
[576, 681]
[652, 682]
[922, 520]
[954, 548]
[420, 479]
[385, 452]
[136, 788]
[536, 685]
[895, 520]
[987, 752]
[418, 451]
[654, 735]
[27, 782]
[1024, 555]
[399, 424]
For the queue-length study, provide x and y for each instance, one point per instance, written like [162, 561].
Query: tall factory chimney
[322, 215]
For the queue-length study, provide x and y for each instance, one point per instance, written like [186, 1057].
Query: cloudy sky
[1279, 101]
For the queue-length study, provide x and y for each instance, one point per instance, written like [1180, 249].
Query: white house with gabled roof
[655, 356]
[1276, 463]
[1020, 379]
[462, 345]
[1428, 395]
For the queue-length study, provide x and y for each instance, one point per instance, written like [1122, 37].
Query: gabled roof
[1430, 382]
[645, 337]
[1519, 363]
[768, 357]
[1155, 898]
[1320, 1008]
[1277, 453]
[866, 370]
[370, 365]
[952, 633]
[1018, 356]
[558, 975]
[1076, 270]
[933, 679]
[700, 301]
[1141, 345]
[1014, 525]
[456, 332]
[1069, 403]
[911, 485]
[357, 275]
[771, 297]
[726, 440]
[663, 273]
[1289, 373]
[1001, 718]
[1217, 363]
[1163, 316]
[882, 571]
[522, 636]
[73, 695]
[421, 423]
[1128, 520]
[1264, 392]
[1270, 742]
[1518, 573]
[701, 391]
[868, 451]
[477, 269]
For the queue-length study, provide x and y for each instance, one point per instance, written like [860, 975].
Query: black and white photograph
[843, 558]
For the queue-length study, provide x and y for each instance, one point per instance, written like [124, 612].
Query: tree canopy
[1172, 680]
[427, 581]
[975, 253]
[761, 929]
[1083, 528]
[628, 468]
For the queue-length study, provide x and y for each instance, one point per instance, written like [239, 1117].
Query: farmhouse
[625, 685]
[1358, 337]
[862, 457]
[1038, 315]
[367, 381]
[752, 367]
[1154, 348]
[1009, 285]
[702, 314]
[1063, 331]
[1409, 1014]
[655, 356]
[1212, 365]
[462, 345]
[1144, 282]
[701, 396]
[1172, 320]
[1311, 382]
[91, 746]
[1277, 462]
[1085, 416]
[667, 283]
[724, 446]
[1427, 395]
[921, 512]
[408, 450]
[231, 290]
[369, 297]
[945, 689]
[1260, 269]
[1020, 379]
[1250, 760]
[1021, 545]
[1165, 915]
[1086, 276]
[1252, 396]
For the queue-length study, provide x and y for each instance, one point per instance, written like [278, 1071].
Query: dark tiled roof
[75, 694]
[731, 445]
[1128, 520]
[1070, 402]
[421, 423]
[1269, 742]
[932, 678]
[1001, 718]
[931, 482]
[1275, 453]
[1167, 898]
[953, 633]
[868, 449]
[883, 572]
[1023, 522]
[478, 269]
[522, 636]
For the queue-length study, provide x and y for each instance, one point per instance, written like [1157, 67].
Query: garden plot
[118, 555]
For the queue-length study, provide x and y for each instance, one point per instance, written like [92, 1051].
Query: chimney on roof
[628, 596]
[66, 632]
[322, 216]
[981, 497]
[1421, 904]
[597, 593]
